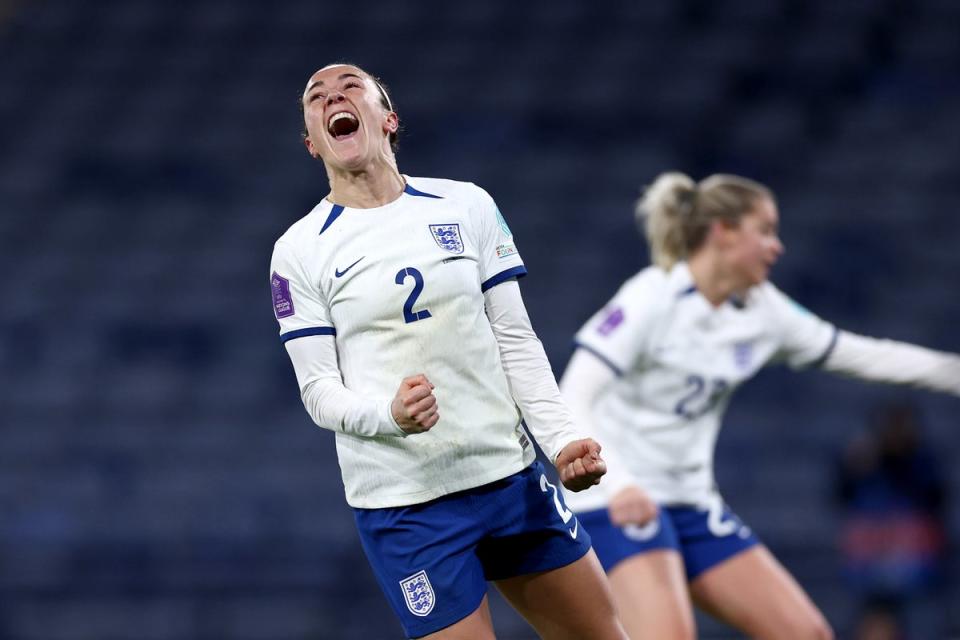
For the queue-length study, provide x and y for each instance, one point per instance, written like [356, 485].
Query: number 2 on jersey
[409, 315]
[703, 395]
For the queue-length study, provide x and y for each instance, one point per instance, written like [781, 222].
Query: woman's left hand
[580, 465]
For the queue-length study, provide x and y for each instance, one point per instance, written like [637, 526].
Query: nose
[334, 97]
[778, 247]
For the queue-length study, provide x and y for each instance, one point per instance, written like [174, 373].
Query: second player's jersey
[678, 360]
[400, 289]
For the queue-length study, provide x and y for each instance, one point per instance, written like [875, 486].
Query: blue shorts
[703, 537]
[433, 560]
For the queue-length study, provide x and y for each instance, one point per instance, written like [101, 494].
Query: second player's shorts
[703, 536]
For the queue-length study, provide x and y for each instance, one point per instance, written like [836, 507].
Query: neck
[372, 186]
[712, 279]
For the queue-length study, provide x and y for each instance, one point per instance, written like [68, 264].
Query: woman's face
[347, 125]
[754, 246]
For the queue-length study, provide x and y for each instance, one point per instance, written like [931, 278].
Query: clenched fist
[580, 465]
[415, 407]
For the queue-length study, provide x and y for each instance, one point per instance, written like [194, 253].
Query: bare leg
[650, 591]
[754, 593]
[569, 603]
[476, 626]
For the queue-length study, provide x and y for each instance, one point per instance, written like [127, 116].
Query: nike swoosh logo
[339, 273]
[576, 527]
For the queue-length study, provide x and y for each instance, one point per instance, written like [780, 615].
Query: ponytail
[660, 214]
[675, 213]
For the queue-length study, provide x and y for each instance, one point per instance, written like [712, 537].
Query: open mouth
[342, 125]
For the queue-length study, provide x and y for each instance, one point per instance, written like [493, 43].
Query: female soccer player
[398, 305]
[652, 376]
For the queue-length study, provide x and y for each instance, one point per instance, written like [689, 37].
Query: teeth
[340, 116]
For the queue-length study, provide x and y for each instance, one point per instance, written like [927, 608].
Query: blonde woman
[652, 376]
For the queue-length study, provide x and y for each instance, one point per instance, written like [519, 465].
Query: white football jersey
[678, 360]
[400, 288]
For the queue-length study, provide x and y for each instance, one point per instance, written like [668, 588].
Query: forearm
[894, 362]
[333, 406]
[528, 371]
[328, 402]
[581, 386]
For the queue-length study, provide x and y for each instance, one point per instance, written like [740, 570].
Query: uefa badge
[282, 300]
[418, 593]
[613, 320]
[447, 237]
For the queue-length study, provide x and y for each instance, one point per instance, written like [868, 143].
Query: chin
[348, 161]
[347, 156]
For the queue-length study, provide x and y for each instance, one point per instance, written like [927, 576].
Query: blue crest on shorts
[447, 237]
[418, 592]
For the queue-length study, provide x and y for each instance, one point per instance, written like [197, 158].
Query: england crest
[742, 354]
[418, 592]
[447, 237]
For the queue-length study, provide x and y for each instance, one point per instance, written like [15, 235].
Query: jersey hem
[407, 500]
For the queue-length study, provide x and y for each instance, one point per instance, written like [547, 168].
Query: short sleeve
[499, 259]
[298, 304]
[615, 334]
[805, 339]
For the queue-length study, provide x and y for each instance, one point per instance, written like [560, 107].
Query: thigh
[476, 626]
[646, 574]
[650, 592]
[572, 602]
[754, 593]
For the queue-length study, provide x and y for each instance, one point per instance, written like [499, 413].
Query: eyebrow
[340, 77]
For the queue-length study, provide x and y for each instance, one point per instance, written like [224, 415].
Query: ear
[312, 150]
[721, 232]
[392, 123]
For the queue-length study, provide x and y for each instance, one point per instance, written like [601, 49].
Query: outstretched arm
[535, 390]
[894, 362]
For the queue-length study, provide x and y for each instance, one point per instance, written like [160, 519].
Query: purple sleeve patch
[611, 322]
[282, 300]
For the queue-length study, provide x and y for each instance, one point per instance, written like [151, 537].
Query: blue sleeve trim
[334, 214]
[310, 331]
[503, 276]
[830, 347]
[413, 192]
[602, 358]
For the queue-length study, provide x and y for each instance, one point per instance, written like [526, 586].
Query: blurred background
[159, 478]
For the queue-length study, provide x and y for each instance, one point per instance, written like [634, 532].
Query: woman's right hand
[415, 407]
[632, 505]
